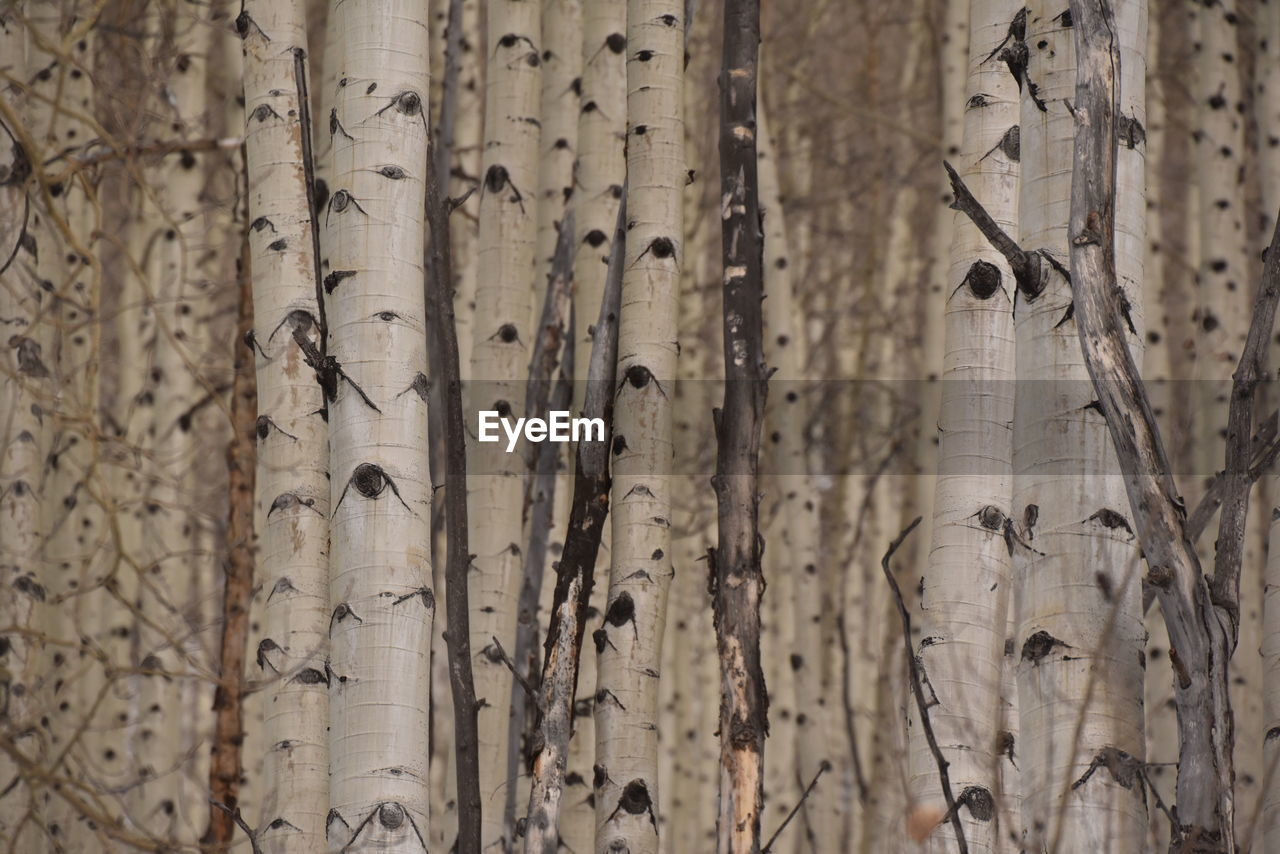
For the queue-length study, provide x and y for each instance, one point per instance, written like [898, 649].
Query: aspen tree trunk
[601, 160]
[1080, 631]
[1267, 833]
[561, 83]
[24, 444]
[380, 574]
[293, 450]
[468, 146]
[174, 803]
[738, 583]
[1226, 282]
[62, 223]
[968, 581]
[499, 362]
[629, 640]
[795, 553]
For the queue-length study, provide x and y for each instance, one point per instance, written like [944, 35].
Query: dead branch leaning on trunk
[575, 573]
[738, 582]
[458, 560]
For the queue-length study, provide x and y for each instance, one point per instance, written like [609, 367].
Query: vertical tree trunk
[968, 582]
[24, 445]
[1080, 632]
[738, 581]
[499, 362]
[601, 161]
[630, 638]
[382, 603]
[293, 449]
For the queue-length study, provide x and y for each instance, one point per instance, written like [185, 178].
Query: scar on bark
[420, 386]
[1039, 645]
[983, 279]
[391, 816]
[340, 201]
[635, 800]
[265, 647]
[498, 177]
[264, 425]
[1109, 518]
[406, 103]
[288, 500]
[638, 376]
[371, 481]
[342, 612]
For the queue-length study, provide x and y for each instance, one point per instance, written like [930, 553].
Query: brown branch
[917, 689]
[1024, 265]
[458, 633]
[1264, 450]
[575, 573]
[235, 816]
[738, 578]
[151, 149]
[1225, 584]
[226, 766]
[1200, 640]
[553, 349]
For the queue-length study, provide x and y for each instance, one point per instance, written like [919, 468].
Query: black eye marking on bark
[601, 639]
[279, 245]
[616, 42]
[983, 280]
[395, 173]
[391, 816]
[264, 425]
[1130, 132]
[667, 20]
[29, 360]
[387, 316]
[635, 800]
[371, 481]
[507, 334]
[640, 130]
[262, 112]
[265, 647]
[1109, 518]
[605, 694]
[661, 247]
[1005, 742]
[340, 201]
[1065, 20]
[644, 55]
[639, 489]
[421, 386]
[334, 814]
[498, 177]
[280, 824]
[335, 126]
[310, 676]
[1010, 145]
[982, 99]
[336, 278]
[1125, 769]
[283, 585]
[423, 593]
[370, 90]
[979, 801]
[511, 40]
[619, 445]
[638, 376]
[595, 237]
[288, 500]
[622, 610]
[244, 21]
[991, 518]
[261, 223]
[340, 613]
[1039, 645]
[300, 322]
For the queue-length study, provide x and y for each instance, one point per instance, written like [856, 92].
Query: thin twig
[768, 846]
[240, 823]
[511, 665]
[918, 691]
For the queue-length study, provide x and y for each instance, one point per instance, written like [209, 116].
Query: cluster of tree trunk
[930, 339]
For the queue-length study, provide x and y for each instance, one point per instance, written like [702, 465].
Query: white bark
[293, 450]
[1080, 632]
[968, 581]
[499, 362]
[380, 573]
[601, 164]
[626, 791]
